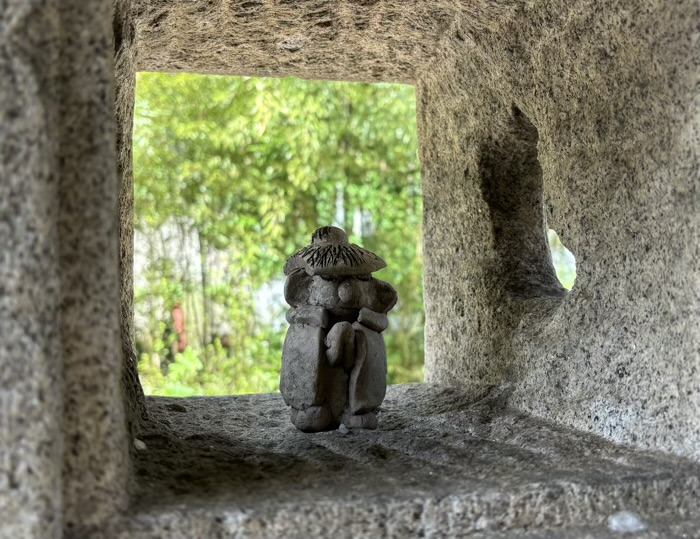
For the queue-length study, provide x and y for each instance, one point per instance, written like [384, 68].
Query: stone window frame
[73, 399]
[312, 42]
[301, 40]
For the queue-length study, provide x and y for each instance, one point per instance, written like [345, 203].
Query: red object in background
[179, 325]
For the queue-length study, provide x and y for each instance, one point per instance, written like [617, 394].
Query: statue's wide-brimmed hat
[332, 254]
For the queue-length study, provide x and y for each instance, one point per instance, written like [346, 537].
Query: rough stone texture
[30, 374]
[436, 467]
[124, 52]
[357, 40]
[95, 467]
[605, 97]
[660, 529]
[63, 458]
[578, 115]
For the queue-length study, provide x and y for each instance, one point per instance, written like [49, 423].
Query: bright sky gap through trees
[232, 175]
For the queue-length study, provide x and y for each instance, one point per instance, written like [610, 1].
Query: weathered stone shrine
[543, 410]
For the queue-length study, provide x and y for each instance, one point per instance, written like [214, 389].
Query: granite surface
[577, 115]
[582, 117]
[63, 443]
[359, 40]
[437, 466]
[30, 375]
[125, 96]
[95, 443]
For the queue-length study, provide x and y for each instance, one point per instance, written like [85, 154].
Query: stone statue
[334, 358]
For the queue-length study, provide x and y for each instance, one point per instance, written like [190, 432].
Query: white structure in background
[184, 253]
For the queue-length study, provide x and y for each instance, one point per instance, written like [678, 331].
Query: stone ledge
[658, 529]
[438, 466]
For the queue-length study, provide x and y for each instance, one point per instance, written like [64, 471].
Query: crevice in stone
[511, 184]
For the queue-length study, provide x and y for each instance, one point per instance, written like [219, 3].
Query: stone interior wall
[30, 341]
[566, 114]
[612, 91]
[63, 443]
[359, 40]
[530, 115]
[125, 76]
[579, 115]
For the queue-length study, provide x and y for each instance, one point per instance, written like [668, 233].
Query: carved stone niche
[583, 116]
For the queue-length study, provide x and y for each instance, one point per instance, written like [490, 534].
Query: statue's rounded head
[329, 234]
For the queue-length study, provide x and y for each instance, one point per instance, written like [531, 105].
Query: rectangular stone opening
[443, 462]
[613, 95]
[232, 175]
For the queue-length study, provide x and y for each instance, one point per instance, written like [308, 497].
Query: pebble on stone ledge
[139, 444]
[626, 522]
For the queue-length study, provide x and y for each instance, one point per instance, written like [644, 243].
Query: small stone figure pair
[334, 359]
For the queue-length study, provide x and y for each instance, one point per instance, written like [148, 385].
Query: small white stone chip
[139, 444]
[626, 522]
[343, 429]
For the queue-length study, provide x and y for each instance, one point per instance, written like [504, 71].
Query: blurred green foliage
[563, 259]
[232, 175]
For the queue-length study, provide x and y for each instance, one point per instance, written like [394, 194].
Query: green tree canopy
[239, 172]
